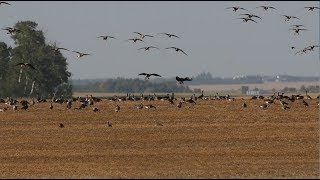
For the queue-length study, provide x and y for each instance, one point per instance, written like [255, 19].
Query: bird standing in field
[148, 75]
[177, 50]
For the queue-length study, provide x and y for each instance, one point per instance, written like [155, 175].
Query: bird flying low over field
[80, 54]
[147, 75]
[177, 50]
[24, 65]
[181, 80]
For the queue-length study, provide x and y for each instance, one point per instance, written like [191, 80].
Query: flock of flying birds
[296, 28]
[140, 38]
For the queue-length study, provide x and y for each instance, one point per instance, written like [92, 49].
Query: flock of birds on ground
[90, 101]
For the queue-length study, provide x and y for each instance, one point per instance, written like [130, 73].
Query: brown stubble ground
[212, 139]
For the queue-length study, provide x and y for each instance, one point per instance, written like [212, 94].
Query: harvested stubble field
[212, 139]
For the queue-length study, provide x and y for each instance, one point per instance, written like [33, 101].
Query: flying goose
[106, 37]
[298, 25]
[289, 17]
[177, 50]
[56, 49]
[148, 47]
[148, 75]
[251, 16]
[312, 8]
[135, 40]
[296, 30]
[247, 19]
[171, 35]
[24, 65]
[3, 2]
[143, 35]
[310, 48]
[80, 54]
[236, 8]
[266, 7]
[181, 80]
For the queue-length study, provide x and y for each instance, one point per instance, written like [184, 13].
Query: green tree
[4, 65]
[51, 67]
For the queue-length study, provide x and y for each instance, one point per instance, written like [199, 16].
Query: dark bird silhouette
[170, 35]
[297, 25]
[80, 54]
[248, 19]
[312, 8]
[24, 65]
[61, 125]
[266, 7]
[142, 35]
[135, 40]
[56, 49]
[289, 17]
[11, 30]
[236, 8]
[296, 30]
[3, 2]
[148, 75]
[181, 80]
[109, 124]
[148, 48]
[305, 104]
[177, 50]
[250, 16]
[310, 48]
[106, 37]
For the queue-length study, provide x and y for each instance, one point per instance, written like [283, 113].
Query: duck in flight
[297, 25]
[177, 50]
[266, 7]
[289, 17]
[142, 35]
[148, 47]
[181, 80]
[296, 30]
[80, 54]
[245, 19]
[135, 40]
[312, 8]
[24, 65]
[236, 8]
[56, 49]
[250, 16]
[106, 37]
[3, 2]
[170, 35]
[147, 75]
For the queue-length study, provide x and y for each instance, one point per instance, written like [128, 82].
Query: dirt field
[212, 139]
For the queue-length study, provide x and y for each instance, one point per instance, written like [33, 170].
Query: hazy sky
[212, 36]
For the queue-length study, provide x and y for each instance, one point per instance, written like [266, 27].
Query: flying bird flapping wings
[236, 8]
[177, 50]
[106, 37]
[296, 30]
[3, 2]
[80, 54]
[142, 35]
[250, 16]
[56, 49]
[298, 25]
[148, 75]
[148, 48]
[311, 8]
[24, 65]
[170, 35]
[247, 19]
[134, 40]
[181, 80]
[266, 7]
[289, 17]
